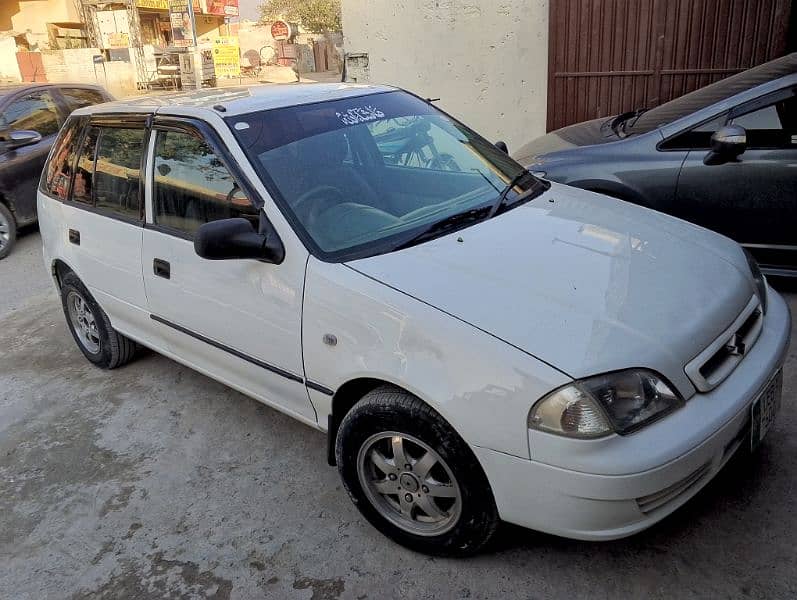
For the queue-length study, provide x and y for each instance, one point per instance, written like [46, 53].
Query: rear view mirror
[235, 239]
[22, 137]
[502, 146]
[727, 144]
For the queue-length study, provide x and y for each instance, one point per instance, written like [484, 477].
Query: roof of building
[238, 100]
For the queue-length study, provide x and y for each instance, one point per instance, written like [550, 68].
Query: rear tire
[413, 477]
[8, 231]
[100, 343]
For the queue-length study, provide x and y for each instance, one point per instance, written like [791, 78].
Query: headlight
[619, 402]
[759, 279]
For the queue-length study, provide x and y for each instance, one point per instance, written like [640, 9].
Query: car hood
[584, 282]
[588, 133]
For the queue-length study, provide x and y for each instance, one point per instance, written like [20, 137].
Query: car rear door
[103, 218]
[752, 199]
[236, 320]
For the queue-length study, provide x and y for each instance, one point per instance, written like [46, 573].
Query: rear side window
[117, 176]
[59, 169]
[78, 98]
[108, 171]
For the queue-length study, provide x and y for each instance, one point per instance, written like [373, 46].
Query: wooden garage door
[610, 56]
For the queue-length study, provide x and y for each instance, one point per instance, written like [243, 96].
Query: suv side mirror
[22, 137]
[727, 144]
[236, 238]
[502, 146]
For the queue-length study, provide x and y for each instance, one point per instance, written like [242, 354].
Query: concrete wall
[32, 16]
[487, 61]
[70, 66]
[9, 67]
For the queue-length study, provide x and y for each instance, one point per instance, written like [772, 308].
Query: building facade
[518, 68]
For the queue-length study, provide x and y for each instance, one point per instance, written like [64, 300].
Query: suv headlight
[619, 402]
[759, 279]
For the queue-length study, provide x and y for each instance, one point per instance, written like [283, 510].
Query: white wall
[487, 61]
[9, 67]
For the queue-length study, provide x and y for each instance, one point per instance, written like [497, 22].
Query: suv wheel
[8, 231]
[91, 328]
[413, 477]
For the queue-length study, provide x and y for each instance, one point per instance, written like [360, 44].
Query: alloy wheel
[83, 322]
[409, 483]
[5, 231]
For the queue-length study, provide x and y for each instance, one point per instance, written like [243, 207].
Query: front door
[753, 199]
[34, 111]
[236, 320]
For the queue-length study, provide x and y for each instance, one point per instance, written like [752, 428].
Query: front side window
[369, 174]
[58, 172]
[192, 186]
[771, 126]
[35, 111]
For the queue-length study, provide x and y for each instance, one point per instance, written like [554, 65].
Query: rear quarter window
[60, 166]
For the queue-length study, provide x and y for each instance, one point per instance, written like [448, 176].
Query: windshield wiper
[622, 122]
[446, 225]
[499, 202]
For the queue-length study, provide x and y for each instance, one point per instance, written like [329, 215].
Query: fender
[481, 385]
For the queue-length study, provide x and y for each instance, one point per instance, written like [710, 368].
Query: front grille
[709, 368]
[648, 504]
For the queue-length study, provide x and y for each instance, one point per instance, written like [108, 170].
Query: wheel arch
[349, 394]
[58, 269]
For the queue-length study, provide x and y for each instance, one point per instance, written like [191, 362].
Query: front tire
[100, 343]
[413, 477]
[8, 231]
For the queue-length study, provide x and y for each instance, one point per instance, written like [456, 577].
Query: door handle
[74, 237]
[161, 268]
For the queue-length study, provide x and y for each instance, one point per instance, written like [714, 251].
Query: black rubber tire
[389, 408]
[12, 231]
[115, 349]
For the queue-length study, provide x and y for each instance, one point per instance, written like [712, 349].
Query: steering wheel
[328, 197]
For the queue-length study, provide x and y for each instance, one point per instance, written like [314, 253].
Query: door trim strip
[233, 351]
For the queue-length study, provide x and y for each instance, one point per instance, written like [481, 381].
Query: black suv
[30, 116]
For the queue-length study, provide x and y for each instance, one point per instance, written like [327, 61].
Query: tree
[317, 16]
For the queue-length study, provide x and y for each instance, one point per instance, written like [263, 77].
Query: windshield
[368, 174]
[711, 94]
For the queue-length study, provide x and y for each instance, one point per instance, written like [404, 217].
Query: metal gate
[610, 56]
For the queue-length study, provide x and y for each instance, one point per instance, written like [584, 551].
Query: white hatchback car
[479, 345]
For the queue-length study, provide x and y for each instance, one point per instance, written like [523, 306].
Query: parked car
[478, 344]
[724, 157]
[30, 116]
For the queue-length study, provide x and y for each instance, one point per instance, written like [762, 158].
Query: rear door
[753, 199]
[103, 219]
[36, 110]
[236, 320]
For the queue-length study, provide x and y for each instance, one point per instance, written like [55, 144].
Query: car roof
[236, 100]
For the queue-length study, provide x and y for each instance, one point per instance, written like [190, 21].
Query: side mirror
[22, 137]
[236, 238]
[727, 144]
[502, 146]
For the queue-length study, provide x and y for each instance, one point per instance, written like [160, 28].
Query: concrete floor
[155, 482]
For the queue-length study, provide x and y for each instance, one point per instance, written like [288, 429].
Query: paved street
[153, 481]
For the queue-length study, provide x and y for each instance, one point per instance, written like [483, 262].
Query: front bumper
[627, 483]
